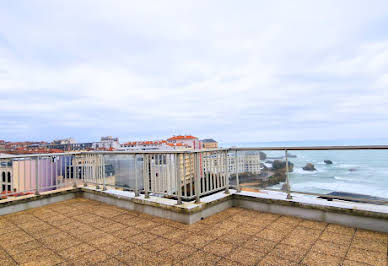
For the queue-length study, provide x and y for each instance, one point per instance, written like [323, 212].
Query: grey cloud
[252, 71]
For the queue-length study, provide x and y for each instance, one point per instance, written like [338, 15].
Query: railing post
[103, 174]
[184, 175]
[146, 176]
[236, 169]
[37, 176]
[85, 169]
[287, 178]
[135, 171]
[226, 167]
[178, 179]
[97, 170]
[74, 171]
[197, 176]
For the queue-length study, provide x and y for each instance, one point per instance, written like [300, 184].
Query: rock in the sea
[269, 161]
[352, 169]
[278, 165]
[309, 167]
[328, 162]
[263, 156]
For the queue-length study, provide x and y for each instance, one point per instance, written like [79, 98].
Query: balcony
[181, 208]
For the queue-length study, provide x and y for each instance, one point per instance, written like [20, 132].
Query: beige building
[209, 144]
[5, 176]
[2, 145]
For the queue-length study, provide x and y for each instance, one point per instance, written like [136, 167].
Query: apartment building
[186, 141]
[174, 143]
[146, 145]
[107, 143]
[248, 162]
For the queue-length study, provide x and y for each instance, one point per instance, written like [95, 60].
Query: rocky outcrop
[328, 162]
[275, 179]
[262, 155]
[352, 169]
[278, 173]
[309, 167]
[279, 165]
[269, 176]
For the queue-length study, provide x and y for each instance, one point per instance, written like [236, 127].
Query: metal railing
[182, 175]
[287, 181]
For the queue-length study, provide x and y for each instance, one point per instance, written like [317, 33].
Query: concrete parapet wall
[36, 201]
[190, 213]
[363, 222]
[179, 213]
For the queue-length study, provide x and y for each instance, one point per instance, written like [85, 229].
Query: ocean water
[352, 171]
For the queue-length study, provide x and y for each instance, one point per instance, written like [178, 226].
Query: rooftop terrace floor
[82, 232]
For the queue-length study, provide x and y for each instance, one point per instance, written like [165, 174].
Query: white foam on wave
[347, 166]
[340, 186]
[304, 172]
[344, 178]
[268, 165]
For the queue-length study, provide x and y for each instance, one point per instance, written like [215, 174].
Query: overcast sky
[237, 71]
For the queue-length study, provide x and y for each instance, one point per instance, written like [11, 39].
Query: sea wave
[344, 178]
[339, 186]
[268, 165]
[347, 166]
[304, 172]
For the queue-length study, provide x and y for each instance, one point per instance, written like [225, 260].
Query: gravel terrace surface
[85, 232]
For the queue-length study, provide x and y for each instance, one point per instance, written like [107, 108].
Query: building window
[9, 177]
[3, 177]
[9, 188]
[3, 188]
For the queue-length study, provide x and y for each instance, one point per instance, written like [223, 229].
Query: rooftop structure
[64, 141]
[109, 139]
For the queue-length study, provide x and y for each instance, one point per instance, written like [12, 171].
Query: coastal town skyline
[174, 142]
[107, 143]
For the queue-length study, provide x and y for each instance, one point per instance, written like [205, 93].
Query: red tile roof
[180, 137]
